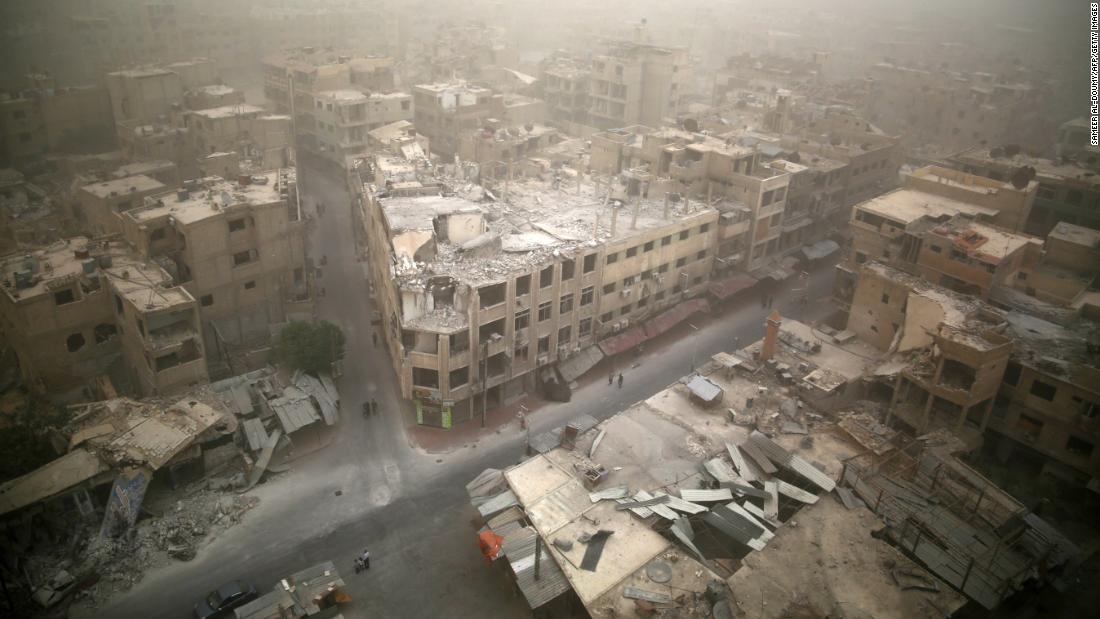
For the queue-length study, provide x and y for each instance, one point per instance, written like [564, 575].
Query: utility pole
[484, 379]
[694, 344]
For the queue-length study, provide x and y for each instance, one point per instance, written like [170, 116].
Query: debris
[720, 470]
[596, 443]
[265, 457]
[681, 505]
[635, 593]
[743, 490]
[642, 503]
[795, 492]
[790, 461]
[659, 572]
[847, 498]
[563, 544]
[616, 492]
[771, 502]
[912, 579]
[793, 427]
[595, 549]
[758, 457]
[739, 463]
[706, 496]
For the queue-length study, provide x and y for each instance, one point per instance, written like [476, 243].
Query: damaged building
[499, 290]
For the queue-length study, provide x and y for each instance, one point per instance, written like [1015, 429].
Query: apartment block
[1063, 275]
[155, 94]
[46, 118]
[475, 299]
[343, 119]
[637, 84]
[499, 144]
[1011, 201]
[236, 246]
[212, 95]
[101, 204]
[565, 90]
[445, 111]
[79, 309]
[1068, 191]
[250, 131]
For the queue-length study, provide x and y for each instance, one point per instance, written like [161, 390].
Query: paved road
[407, 507]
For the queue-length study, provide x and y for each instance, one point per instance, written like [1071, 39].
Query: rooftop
[1055, 349]
[215, 89]
[963, 180]
[980, 241]
[210, 199]
[1044, 168]
[906, 206]
[443, 87]
[143, 167]
[121, 186]
[229, 111]
[1078, 235]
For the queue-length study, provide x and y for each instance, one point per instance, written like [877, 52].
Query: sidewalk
[468, 433]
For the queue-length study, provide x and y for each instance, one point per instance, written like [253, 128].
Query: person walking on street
[611, 377]
[362, 562]
[620, 380]
[374, 338]
[373, 406]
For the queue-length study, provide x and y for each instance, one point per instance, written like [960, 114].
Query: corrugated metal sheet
[704, 389]
[738, 459]
[497, 504]
[519, 549]
[672, 317]
[730, 286]
[706, 496]
[624, 341]
[573, 367]
[294, 409]
[559, 507]
[681, 505]
[720, 470]
[795, 492]
[255, 433]
[791, 461]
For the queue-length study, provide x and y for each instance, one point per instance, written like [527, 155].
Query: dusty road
[408, 507]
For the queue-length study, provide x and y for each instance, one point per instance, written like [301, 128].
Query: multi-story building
[443, 112]
[343, 118]
[237, 246]
[79, 309]
[212, 95]
[156, 94]
[565, 90]
[99, 204]
[496, 143]
[635, 84]
[481, 301]
[45, 118]
[253, 133]
[1067, 191]
[705, 168]
[1012, 203]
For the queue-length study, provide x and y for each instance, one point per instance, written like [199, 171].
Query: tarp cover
[672, 317]
[624, 341]
[702, 388]
[726, 288]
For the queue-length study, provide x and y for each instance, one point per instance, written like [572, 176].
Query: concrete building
[256, 135]
[443, 112]
[565, 90]
[478, 298]
[212, 95]
[79, 310]
[496, 143]
[635, 84]
[343, 119]
[45, 118]
[397, 136]
[1067, 191]
[101, 204]
[1012, 203]
[156, 93]
[236, 246]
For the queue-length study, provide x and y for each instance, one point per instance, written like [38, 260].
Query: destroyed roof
[123, 186]
[49, 480]
[1056, 350]
[143, 167]
[146, 285]
[387, 132]
[906, 206]
[958, 307]
[212, 197]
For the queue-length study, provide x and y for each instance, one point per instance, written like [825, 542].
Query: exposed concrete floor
[408, 507]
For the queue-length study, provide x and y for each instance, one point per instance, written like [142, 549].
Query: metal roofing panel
[623, 341]
[672, 317]
[559, 507]
[720, 470]
[519, 548]
[573, 367]
[255, 433]
[791, 461]
[704, 389]
[706, 496]
[497, 504]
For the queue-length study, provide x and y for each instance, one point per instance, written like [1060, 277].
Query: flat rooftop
[1078, 235]
[906, 206]
[146, 285]
[1044, 168]
[442, 87]
[229, 111]
[983, 242]
[963, 180]
[143, 167]
[212, 197]
[139, 183]
[1055, 349]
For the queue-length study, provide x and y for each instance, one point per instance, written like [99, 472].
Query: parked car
[220, 603]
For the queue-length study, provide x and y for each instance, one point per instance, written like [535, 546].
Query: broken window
[491, 295]
[633, 251]
[585, 327]
[491, 331]
[566, 304]
[701, 255]
[249, 285]
[1042, 390]
[1029, 427]
[425, 377]
[118, 304]
[606, 317]
[565, 334]
[459, 342]
[497, 364]
[74, 342]
[1012, 373]
[523, 285]
[587, 295]
[649, 246]
[63, 297]
[157, 234]
[589, 263]
[626, 309]
[609, 288]
[523, 319]
[885, 299]
[628, 281]
[681, 262]
[1087, 409]
[206, 300]
[1079, 447]
[703, 228]
[684, 234]
[644, 301]
[612, 258]
[459, 377]
[567, 269]
[236, 224]
[546, 277]
[545, 310]
[544, 344]
[666, 240]
[520, 354]
[244, 257]
[663, 268]
[105, 332]
[956, 375]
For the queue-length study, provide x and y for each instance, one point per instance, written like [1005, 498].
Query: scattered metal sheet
[908, 579]
[659, 509]
[596, 443]
[497, 504]
[739, 463]
[684, 525]
[771, 502]
[759, 513]
[720, 470]
[255, 433]
[639, 511]
[615, 492]
[743, 489]
[265, 457]
[679, 534]
[734, 526]
[634, 593]
[790, 461]
[758, 457]
[764, 537]
[595, 550]
[793, 427]
[641, 503]
[795, 492]
[658, 571]
[519, 548]
[681, 505]
[706, 496]
[847, 498]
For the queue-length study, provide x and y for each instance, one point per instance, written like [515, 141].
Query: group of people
[611, 378]
[362, 562]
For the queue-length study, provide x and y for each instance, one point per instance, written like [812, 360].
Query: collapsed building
[496, 290]
[757, 487]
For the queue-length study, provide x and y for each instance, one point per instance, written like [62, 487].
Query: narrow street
[370, 488]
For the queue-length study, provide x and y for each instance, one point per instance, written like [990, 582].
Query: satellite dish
[690, 124]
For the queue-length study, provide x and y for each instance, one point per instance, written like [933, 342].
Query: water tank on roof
[23, 279]
[89, 266]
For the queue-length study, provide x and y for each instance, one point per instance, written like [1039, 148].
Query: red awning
[666, 320]
[726, 288]
[624, 341]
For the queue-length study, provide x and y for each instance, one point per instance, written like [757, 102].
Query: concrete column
[894, 398]
[986, 415]
[963, 410]
[926, 415]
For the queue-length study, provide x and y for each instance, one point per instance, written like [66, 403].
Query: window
[663, 268]
[633, 251]
[584, 327]
[1042, 390]
[118, 304]
[546, 277]
[606, 317]
[647, 274]
[459, 377]
[935, 249]
[243, 257]
[105, 332]
[249, 285]
[544, 311]
[520, 353]
[74, 342]
[157, 234]
[625, 309]
[644, 301]
[64, 297]
[649, 246]
[861, 257]
[523, 318]
[609, 288]
[544, 344]
[666, 240]
[566, 304]
[206, 300]
[424, 377]
[567, 269]
[1012, 373]
[681, 262]
[523, 285]
[587, 294]
[701, 255]
[565, 334]
[628, 281]
[660, 295]
[612, 258]
[703, 228]
[236, 224]
[491, 295]
[698, 280]
[885, 299]
[589, 263]
[684, 234]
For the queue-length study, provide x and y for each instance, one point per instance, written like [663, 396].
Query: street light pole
[694, 344]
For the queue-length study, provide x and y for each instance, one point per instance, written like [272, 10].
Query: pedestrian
[362, 562]
[373, 406]
[374, 337]
[611, 377]
[620, 380]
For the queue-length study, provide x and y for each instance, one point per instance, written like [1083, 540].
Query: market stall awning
[726, 288]
[820, 249]
[578, 364]
[672, 317]
[624, 341]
